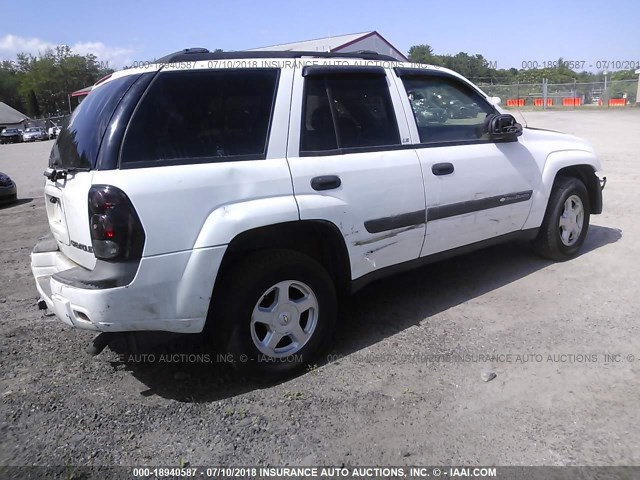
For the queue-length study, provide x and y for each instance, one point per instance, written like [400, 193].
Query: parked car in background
[32, 134]
[10, 135]
[8, 190]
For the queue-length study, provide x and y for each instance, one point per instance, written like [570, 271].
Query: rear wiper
[55, 173]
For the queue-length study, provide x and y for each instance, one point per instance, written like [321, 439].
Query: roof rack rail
[197, 54]
[185, 51]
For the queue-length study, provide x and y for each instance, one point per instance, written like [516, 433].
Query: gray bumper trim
[104, 274]
[46, 244]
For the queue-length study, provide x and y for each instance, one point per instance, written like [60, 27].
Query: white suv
[240, 193]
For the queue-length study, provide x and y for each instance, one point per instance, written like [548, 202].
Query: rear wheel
[274, 312]
[566, 221]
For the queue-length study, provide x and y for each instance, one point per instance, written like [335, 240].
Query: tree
[9, 84]
[624, 75]
[33, 108]
[478, 69]
[41, 84]
[423, 54]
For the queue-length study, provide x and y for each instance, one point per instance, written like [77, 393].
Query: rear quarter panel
[187, 206]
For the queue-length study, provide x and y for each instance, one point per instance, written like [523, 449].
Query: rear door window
[201, 116]
[347, 111]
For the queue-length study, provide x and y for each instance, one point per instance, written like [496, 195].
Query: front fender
[555, 162]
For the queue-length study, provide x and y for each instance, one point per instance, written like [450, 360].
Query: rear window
[77, 145]
[201, 116]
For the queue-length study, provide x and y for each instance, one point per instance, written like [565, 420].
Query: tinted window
[201, 116]
[447, 110]
[77, 145]
[347, 111]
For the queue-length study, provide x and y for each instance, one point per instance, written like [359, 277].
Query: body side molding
[460, 208]
[411, 219]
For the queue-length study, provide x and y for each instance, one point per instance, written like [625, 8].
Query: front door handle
[326, 182]
[442, 169]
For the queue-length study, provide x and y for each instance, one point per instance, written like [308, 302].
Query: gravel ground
[556, 399]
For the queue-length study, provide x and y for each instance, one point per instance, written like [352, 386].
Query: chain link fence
[620, 93]
[48, 121]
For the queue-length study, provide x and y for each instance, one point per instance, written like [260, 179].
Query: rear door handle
[326, 182]
[442, 169]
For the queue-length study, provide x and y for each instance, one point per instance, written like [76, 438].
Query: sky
[507, 33]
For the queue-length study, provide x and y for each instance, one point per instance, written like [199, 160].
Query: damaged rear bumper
[127, 297]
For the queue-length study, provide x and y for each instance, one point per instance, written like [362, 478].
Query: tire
[566, 221]
[252, 293]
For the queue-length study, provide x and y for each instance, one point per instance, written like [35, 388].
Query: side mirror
[503, 127]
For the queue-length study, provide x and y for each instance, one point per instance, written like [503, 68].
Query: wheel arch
[577, 164]
[587, 175]
[319, 239]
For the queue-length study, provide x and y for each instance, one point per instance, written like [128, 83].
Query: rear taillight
[116, 230]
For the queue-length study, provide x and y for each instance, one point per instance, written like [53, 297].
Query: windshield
[31, 130]
[11, 130]
[77, 145]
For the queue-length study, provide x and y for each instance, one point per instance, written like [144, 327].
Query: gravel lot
[567, 406]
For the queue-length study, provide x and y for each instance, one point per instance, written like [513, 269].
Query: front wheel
[566, 220]
[274, 311]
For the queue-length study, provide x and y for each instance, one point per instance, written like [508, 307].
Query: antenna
[523, 117]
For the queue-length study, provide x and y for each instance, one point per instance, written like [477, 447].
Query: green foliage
[620, 89]
[33, 107]
[624, 75]
[482, 71]
[41, 84]
[471, 66]
[9, 85]
[423, 54]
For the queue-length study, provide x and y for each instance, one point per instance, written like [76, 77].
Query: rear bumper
[168, 292]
